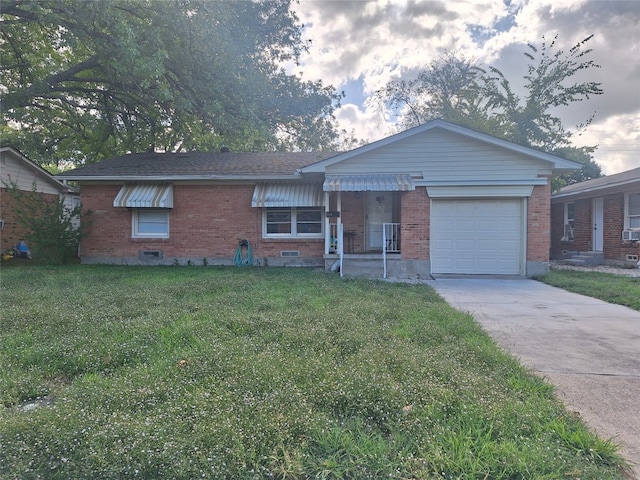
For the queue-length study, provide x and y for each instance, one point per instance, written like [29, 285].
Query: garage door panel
[463, 208]
[484, 225]
[443, 225]
[463, 244]
[477, 236]
[483, 245]
[463, 227]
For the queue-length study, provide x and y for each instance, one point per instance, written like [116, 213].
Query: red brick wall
[582, 225]
[353, 206]
[614, 248]
[613, 226]
[557, 231]
[539, 223]
[415, 206]
[206, 222]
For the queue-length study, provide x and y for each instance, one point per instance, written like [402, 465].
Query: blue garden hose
[239, 260]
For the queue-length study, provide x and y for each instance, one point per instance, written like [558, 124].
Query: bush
[52, 233]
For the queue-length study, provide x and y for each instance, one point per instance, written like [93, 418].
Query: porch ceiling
[371, 183]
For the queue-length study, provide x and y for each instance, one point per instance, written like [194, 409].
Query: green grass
[192, 372]
[618, 289]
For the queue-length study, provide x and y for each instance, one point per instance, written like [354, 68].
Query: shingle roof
[196, 165]
[599, 184]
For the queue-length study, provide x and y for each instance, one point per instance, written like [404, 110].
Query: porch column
[327, 225]
[339, 221]
[339, 207]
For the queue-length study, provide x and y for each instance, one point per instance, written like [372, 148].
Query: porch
[366, 265]
[363, 234]
[343, 258]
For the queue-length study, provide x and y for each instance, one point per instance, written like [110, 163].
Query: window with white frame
[568, 223]
[632, 211]
[151, 223]
[292, 222]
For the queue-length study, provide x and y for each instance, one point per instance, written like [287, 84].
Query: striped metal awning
[145, 196]
[287, 195]
[368, 183]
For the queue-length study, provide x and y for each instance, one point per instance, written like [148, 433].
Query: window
[150, 223]
[632, 220]
[293, 222]
[568, 223]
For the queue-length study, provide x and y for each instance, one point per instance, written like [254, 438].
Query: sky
[357, 46]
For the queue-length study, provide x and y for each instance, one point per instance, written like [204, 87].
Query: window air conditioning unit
[630, 235]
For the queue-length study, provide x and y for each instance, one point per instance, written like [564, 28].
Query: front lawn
[196, 372]
[609, 287]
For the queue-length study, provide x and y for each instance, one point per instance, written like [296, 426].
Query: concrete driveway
[587, 348]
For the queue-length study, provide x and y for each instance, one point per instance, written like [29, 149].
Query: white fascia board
[177, 178]
[480, 191]
[598, 188]
[479, 183]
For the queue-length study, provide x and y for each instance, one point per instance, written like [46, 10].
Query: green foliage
[84, 81]
[533, 121]
[196, 372]
[590, 169]
[445, 89]
[53, 230]
[611, 288]
[454, 88]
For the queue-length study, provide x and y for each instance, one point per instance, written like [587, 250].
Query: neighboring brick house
[598, 220]
[16, 168]
[436, 199]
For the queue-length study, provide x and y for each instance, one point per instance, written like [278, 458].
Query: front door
[598, 224]
[379, 211]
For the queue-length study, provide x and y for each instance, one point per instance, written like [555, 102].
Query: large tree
[443, 89]
[456, 89]
[83, 80]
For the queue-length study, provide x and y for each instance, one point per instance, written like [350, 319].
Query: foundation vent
[289, 253]
[150, 255]
[632, 258]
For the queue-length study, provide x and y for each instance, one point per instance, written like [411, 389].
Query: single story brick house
[436, 199]
[16, 169]
[598, 221]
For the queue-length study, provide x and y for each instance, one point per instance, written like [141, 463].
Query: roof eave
[172, 178]
[586, 192]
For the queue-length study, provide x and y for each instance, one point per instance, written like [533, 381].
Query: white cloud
[365, 44]
[618, 148]
[367, 123]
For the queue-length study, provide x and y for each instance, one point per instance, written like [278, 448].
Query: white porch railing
[390, 242]
[336, 243]
[333, 238]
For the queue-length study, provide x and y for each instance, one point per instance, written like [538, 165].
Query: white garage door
[477, 236]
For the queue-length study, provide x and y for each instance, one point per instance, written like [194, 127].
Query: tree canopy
[455, 88]
[84, 80]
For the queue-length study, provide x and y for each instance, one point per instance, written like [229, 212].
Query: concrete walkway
[587, 348]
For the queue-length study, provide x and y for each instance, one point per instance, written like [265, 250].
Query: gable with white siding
[17, 169]
[439, 155]
[440, 152]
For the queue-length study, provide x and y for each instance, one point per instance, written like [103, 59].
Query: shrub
[52, 231]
